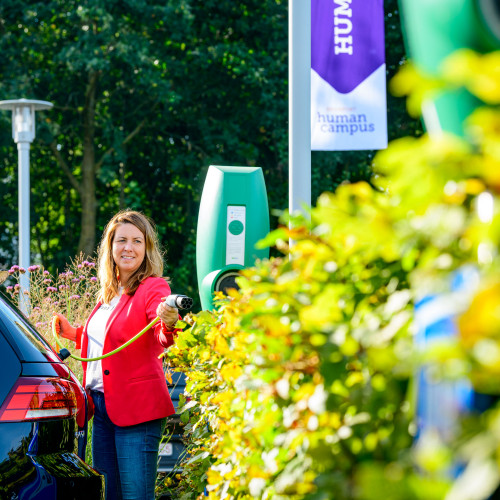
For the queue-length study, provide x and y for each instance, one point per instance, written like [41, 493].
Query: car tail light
[37, 398]
[81, 401]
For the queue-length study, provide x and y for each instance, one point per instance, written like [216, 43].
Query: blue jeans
[127, 456]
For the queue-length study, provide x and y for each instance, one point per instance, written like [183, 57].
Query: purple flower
[75, 280]
[93, 279]
[69, 274]
[47, 280]
[16, 286]
[34, 268]
[22, 270]
[10, 288]
[13, 269]
[46, 273]
[51, 289]
[74, 297]
[63, 287]
[82, 277]
[79, 266]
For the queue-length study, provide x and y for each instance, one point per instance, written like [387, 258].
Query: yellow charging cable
[118, 349]
[175, 300]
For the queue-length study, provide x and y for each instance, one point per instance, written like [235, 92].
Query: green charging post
[233, 217]
[434, 30]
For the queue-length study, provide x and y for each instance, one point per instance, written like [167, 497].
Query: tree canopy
[147, 95]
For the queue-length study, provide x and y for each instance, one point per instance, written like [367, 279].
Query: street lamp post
[23, 133]
[299, 105]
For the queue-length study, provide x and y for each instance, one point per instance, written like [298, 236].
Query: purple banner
[348, 77]
[347, 41]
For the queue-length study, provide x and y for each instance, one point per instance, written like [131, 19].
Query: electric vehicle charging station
[233, 217]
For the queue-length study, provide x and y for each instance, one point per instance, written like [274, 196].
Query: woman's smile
[129, 249]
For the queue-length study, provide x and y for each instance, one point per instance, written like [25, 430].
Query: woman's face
[129, 249]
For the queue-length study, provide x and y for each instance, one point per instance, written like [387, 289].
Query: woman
[128, 389]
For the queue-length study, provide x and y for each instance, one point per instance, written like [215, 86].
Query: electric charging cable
[175, 300]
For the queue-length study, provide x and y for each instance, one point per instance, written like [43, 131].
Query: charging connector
[179, 301]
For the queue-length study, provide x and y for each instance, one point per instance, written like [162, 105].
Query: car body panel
[40, 459]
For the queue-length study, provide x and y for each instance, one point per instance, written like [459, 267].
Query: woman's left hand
[169, 315]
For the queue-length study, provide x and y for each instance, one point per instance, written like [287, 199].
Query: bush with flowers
[302, 383]
[71, 293]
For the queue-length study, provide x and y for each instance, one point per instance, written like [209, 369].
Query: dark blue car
[43, 414]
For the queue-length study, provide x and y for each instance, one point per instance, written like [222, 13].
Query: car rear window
[10, 368]
[28, 343]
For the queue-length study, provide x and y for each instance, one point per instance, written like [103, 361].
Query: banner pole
[299, 104]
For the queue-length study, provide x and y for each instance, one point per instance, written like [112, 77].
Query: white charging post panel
[235, 234]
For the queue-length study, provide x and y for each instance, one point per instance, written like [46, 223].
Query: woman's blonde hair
[152, 265]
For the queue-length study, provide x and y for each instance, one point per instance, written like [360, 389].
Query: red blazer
[134, 383]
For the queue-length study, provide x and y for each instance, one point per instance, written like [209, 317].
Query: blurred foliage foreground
[303, 383]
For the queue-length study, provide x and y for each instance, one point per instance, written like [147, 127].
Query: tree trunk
[122, 185]
[88, 192]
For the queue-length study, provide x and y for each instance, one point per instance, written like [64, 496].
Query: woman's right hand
[63, 328]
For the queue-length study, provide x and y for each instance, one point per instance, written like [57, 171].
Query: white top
[96, 333]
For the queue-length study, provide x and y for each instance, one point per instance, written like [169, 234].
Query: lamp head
[23, 117]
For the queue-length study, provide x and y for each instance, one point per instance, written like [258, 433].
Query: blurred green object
[435, 29]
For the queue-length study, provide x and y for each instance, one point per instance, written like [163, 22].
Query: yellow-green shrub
[299, 384]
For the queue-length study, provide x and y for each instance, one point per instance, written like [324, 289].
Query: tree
[99, 63]
[147, 95]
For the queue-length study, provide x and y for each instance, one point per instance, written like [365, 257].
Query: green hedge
[301, 384]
